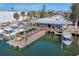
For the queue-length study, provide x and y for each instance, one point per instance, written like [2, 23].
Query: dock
[72, 30]
[55, 31]
[27, 41]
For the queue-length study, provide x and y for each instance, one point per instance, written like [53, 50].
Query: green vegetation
[16, 16]
[73, 49]
[75, 12]
[29, 15]
[50, 12]
[42, 14]
[23, 14]
[51, 38]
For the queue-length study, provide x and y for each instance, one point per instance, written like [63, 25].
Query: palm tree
[50, 12]
[23, 14]
[42, 14]
[12, 8]
[75, 16]
[75, 13]
[16, 16]
[29, 15]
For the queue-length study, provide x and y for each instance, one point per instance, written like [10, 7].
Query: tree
[23, 14]
[50, 12]
[42, 14]
[12, 8]
[75, 13]
[29, 15]
[16, 16]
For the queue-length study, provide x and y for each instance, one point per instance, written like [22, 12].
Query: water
[48, 45]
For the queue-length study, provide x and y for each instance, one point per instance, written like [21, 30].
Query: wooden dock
[35, 36]
[72, 30]
[29, 40]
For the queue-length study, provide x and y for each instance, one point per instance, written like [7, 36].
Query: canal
[48, 45]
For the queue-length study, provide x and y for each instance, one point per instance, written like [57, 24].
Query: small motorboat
[1, 33]
[1, 30]
[66, 38]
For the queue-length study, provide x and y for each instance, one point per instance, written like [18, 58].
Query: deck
[27, 41]
[72, 30]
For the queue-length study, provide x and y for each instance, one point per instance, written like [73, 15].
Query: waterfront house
[55, 21]
[7, 16]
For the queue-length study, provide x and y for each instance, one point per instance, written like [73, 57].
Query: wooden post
[25, 35]
[62, 45]
[54, 30]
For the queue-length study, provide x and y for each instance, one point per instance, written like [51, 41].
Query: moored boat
[66, 38]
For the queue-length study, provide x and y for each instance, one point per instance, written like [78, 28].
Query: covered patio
[54, 21]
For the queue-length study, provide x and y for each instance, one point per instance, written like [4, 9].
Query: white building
[7, 16]
[56, 20]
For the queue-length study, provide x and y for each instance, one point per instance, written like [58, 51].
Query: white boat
[66, 38]
[10, 33]
[1, 30]
[1, 33]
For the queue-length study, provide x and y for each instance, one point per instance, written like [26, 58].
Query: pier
[27, 41]
[72, 30]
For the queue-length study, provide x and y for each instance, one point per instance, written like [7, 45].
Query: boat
[1, 30]
[8, 33]
[66, 38]
[1, 33]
